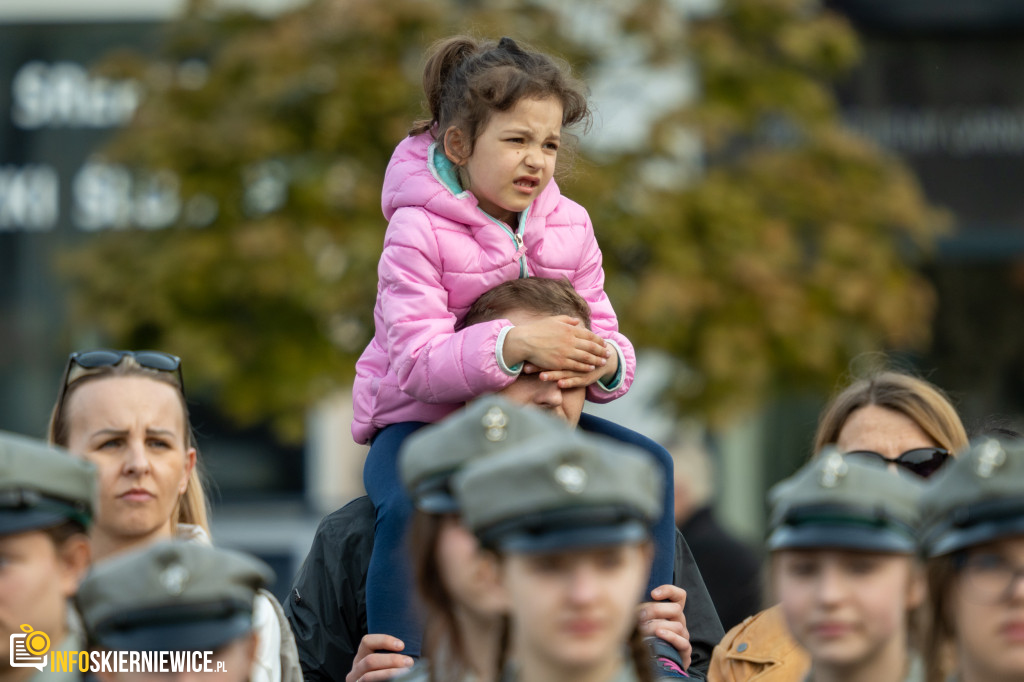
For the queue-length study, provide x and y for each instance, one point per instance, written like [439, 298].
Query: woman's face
[879, 429]
[133, 429]
[848, 608]
[575, 609]
[987, 609]
[468, 572]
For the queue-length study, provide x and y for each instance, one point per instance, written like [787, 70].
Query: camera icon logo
[29, 648]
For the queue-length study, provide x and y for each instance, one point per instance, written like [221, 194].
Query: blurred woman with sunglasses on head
[125, 411]
[973, 540]
[888, 415]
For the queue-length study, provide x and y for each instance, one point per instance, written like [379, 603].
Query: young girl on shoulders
[471, 203]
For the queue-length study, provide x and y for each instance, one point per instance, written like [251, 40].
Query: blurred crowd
[894, 553]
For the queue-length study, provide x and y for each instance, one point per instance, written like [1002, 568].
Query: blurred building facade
[53, 194]
[939, 85]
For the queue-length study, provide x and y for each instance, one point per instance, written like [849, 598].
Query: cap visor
[203, 635]
[977, 534]
[820, 536]
[23, 520]
[523, 542]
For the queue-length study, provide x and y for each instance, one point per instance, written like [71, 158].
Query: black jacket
[732, 568]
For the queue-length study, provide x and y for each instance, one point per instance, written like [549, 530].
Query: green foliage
[791, 253]
[796, 249]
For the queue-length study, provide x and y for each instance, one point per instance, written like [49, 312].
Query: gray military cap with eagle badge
[42, 486]
[430, 456]
[977, 498]
[171, 596]
[845, 502]
[564, 490]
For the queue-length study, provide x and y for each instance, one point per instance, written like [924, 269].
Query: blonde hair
[192, 507]
[926, 404]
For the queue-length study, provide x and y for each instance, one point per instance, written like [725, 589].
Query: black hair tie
[509, 45]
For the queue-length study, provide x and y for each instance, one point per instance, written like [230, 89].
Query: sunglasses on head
[96, 359]
[922, 461]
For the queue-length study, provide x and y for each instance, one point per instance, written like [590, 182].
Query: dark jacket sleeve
[701, 618]
[327, 607]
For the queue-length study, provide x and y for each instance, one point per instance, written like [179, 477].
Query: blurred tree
[791, 246]
[791, 250]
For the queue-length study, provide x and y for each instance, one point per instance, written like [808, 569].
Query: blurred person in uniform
[973, 542]
[730, 568]
[569, 518]
[46, 506]
[891, 416]
[176, 596]
[843, 543]
[456, 579]
[327, 603]
[125, 411]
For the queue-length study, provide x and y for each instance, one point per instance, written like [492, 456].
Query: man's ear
[456, 146]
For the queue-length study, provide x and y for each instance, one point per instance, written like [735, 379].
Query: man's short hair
[538, 295]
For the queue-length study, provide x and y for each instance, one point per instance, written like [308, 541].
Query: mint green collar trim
[443, 169]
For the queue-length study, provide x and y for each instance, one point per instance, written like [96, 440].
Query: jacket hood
[419, 175]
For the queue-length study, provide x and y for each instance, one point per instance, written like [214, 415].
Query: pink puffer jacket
[440, 253]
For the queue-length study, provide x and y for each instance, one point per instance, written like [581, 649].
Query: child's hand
[568, 379]
[557, 343]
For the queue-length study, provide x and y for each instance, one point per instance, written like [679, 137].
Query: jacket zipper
[517, 239]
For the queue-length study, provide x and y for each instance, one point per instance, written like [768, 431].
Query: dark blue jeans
[391, 607]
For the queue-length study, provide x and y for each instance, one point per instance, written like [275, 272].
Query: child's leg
[665, 529]
[390, 597]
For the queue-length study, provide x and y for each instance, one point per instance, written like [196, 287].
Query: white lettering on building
[948, 132]
[64, 95]
[29, 198]
[108, 197]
